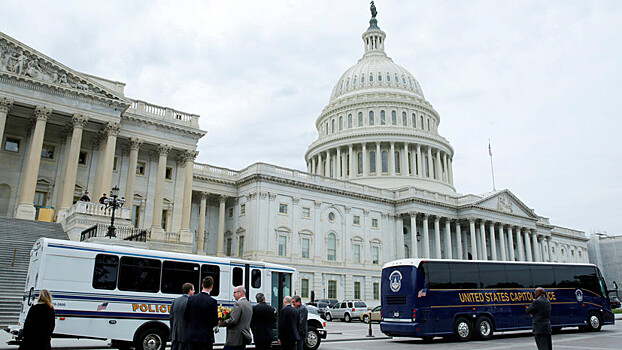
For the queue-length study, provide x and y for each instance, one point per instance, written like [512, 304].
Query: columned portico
[71, 170]
[184, 233]
[26, 209]
[157, 232]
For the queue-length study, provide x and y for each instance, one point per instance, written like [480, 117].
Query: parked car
[331, 302]
[321, 308]
[375, 315]
[346, 310]
[615, 302]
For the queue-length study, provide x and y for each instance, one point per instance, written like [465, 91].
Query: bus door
[281, 287]
[29, 297]
[253, 281]
[400, 294]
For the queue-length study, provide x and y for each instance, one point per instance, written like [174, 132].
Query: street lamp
[114, 203]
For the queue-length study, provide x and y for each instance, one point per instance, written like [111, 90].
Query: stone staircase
[16, 240]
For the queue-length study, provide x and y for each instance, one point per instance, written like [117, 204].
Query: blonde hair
[46, 298]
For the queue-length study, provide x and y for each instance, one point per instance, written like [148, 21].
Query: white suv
[346, 310]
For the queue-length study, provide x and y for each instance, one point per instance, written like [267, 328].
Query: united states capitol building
[379, 182]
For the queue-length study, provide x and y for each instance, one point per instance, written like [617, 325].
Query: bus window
[105, 271]
[175, 274]
[464, 276]
[214, 271]
[588, 279]
[543, 276]
[492, 275]
[438, 275]
[256, 278]
[238, 276]
[139, 274]
[565, 276]
[518, 276]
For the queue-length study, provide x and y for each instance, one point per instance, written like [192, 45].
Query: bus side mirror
[615, 285]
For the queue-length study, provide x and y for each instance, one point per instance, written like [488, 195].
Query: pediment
[505, 202]
[23, 63]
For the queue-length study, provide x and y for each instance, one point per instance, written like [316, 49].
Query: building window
[47, 151]
[242, 209]
[114, 163]
[421, 122]
[304, 288]
[306, 212]
[414, 121]
[404, 119]
[349, 121]
[360, 163]
[305, 247]
[357, 253]
[136, 216]
[332, 247]
[241, 246]
[332, 124]
[385, 162]
[371, 117]
[340, 123]
[164, 222]
[428, 124]
[376, 289]
[393, 118]
[360, 118]
[332, 289]
[11, 144]
[383, 119]
[228, 243]
[331, 216]
[40, 199]
[375, 252]
[397, 161]
[374, 223]
[82, 157]
[371, 77]
[356, 220]
[140, 168]
[332, 166]
[282, 245]
[357, 290]
[168, 173]
[230, 212]
[372, 162]
[283, 208]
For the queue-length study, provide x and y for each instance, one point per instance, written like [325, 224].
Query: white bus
[124, 294]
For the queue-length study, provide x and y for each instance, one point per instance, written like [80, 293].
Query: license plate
[396, 314]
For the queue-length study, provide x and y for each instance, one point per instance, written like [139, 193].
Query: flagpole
[492, 169]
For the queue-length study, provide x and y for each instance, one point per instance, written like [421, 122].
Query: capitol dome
[378, 129]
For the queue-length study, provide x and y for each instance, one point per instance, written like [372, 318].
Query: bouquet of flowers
[223, 314]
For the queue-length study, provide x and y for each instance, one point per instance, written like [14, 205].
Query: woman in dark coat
[39, 324]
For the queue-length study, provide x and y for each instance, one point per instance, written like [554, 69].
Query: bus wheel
[151, 339]
[463, 329]
[347, 317]
[312, 342]
[594, 322]
[483, 328]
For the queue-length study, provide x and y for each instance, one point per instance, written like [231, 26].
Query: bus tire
[329, 317]
[151, 338]
[312, 341]
[463, 329]
[347, 317]
[483, 328]
[594, 322]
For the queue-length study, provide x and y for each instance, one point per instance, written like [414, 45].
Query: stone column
[338, 164]
[519, 245]
[493, 242]
[459, 240]
[111, 130]
[536, 246]
[71, 170]
[446, 172]
[448, 246]
[327, 165]
[157, 231]
[413, 235]
[426, 237]
[26, 209]
[405, 170]
[511, 244]
[548, 245]
[221, 227]
[313, 169]
[201, 235]
[529, 256]
[399, 231]
[451, 172]
[482, 233]
[100, 143]
[5, 105]
[439, 168]
[429, 162]
[392, 160]
[365, 159]
[320, 167]
[504, 256]
[437, 237]
[378, 160]
[184, 232]
[351, 161]
[473, 239]
[131, 173]
[419, 162]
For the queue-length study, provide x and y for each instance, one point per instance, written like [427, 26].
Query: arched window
[414, 120]
[397, 161]
[371, 77]
[383, 120]
[354, 82]
[388, 77]
[327, 129]
[421, 122]
[428, 124]
[331, 245]
[385, 162]
[362, 79]
[372, 162]
[360, 118]
[404, 119]
[397, 80]
[349, 121]
[348, 83]
[340, 123]
[332, 129]
[332, 166]
[393, 118]
[379, 77]
[360, 163]
[410, 165]
[371, 117]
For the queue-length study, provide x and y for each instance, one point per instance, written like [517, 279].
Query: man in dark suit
[262, 322]
[201, 316]
[178, 323]
[302, 320]
[288, 326]
[540, 310]
[239, 322]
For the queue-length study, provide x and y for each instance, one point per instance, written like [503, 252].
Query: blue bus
[429, 298]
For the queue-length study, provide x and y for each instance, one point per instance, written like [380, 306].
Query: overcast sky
[541, 79]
